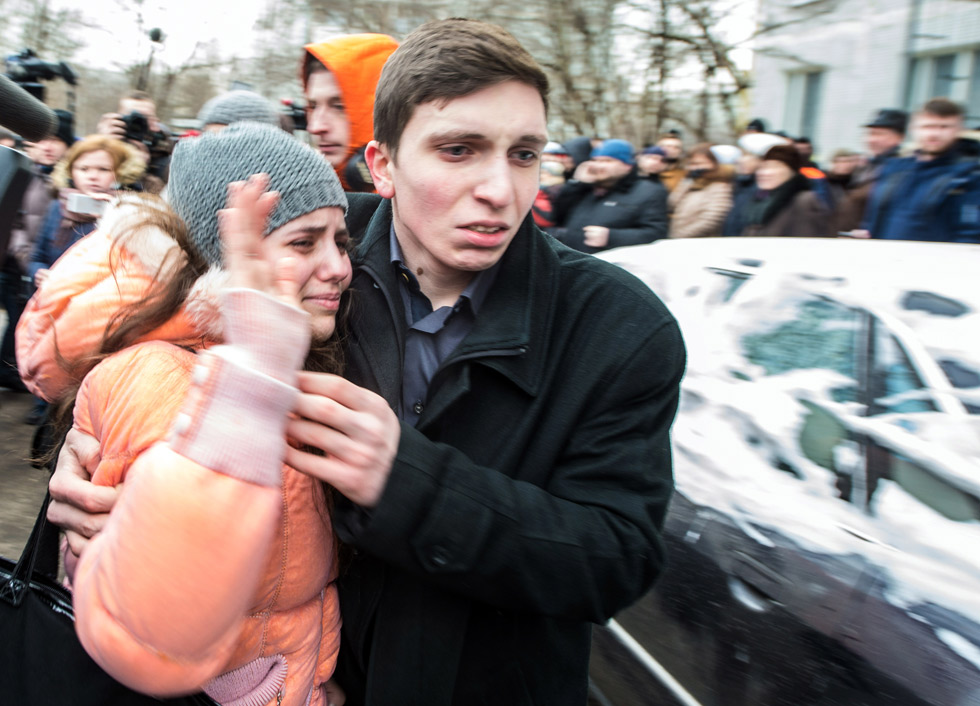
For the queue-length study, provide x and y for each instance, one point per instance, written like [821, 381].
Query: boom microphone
[23, 113]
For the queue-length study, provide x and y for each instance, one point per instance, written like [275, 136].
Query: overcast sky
[184, 22]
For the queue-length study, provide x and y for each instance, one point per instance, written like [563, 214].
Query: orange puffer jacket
[200, 579]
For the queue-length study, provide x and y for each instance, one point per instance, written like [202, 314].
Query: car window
[819, 334]
[925, 486]
[895, 384]
[966, 380]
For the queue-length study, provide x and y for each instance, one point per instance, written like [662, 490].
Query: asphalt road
[21, 487]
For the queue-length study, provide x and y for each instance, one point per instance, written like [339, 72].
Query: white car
[824, 537]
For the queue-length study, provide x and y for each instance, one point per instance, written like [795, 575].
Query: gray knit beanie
[202, 167]
[237, 106]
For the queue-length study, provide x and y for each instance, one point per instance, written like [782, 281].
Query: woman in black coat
[783, 202]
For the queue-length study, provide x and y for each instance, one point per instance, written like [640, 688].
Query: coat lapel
[510, 335]
[377, 360]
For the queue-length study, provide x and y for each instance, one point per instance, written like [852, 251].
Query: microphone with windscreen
[24, 114]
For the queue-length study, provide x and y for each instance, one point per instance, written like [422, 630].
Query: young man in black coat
[501, 448]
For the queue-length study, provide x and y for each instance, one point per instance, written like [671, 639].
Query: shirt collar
[476, 291]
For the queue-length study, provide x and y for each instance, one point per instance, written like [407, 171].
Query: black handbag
[41, 660]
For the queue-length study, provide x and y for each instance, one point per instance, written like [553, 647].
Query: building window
[973, 103]
[943, 75]
[954, 75]
[803, 94]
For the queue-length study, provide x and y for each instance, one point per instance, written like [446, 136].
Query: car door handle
[750, 596]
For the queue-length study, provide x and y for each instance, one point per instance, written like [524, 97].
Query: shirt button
[439, 556]
[418, 407]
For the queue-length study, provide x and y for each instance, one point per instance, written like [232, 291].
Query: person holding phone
[85, 178]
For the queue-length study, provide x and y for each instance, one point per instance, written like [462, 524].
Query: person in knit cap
[607, 204]
[783, 202]
[339, 79]
[215, 570]
[234, 107]
[752, 146]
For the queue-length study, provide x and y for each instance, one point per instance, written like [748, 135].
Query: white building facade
[827, 66]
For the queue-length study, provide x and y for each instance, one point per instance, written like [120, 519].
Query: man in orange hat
[339, 78]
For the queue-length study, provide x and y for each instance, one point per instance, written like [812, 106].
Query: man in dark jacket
[884, 137]
[517, 492]
[535, 388]
[934, 194]
[518, 495]
[607, 204]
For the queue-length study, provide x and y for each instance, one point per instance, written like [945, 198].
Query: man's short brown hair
[944, 108]
[312, 65]
[447, 59]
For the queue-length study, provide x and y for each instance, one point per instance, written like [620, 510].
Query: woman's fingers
[287, 282]
[241, 225]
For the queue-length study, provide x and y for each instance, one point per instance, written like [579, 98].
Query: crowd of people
[341, 424]
[599, 194]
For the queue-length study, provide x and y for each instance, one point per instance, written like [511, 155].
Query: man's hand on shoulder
[78, 506]
[356, 430]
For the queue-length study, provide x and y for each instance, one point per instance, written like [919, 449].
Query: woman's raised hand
[242, 227]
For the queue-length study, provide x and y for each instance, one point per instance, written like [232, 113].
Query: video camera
[296, 113]
[138, 128]
[27, 70]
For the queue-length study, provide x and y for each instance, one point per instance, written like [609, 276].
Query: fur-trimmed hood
[113, 267]
[128, 172]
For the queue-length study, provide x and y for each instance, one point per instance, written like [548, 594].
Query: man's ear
[377, 159]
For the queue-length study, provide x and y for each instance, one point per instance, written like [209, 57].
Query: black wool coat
[634, 210]
[528, 501]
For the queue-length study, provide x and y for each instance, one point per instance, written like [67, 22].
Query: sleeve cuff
[264, 333]
[234, 420]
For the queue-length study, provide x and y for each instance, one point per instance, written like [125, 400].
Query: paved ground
[21, 487]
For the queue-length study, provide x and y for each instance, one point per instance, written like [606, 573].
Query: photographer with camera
[86, 178]
[137, 123]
